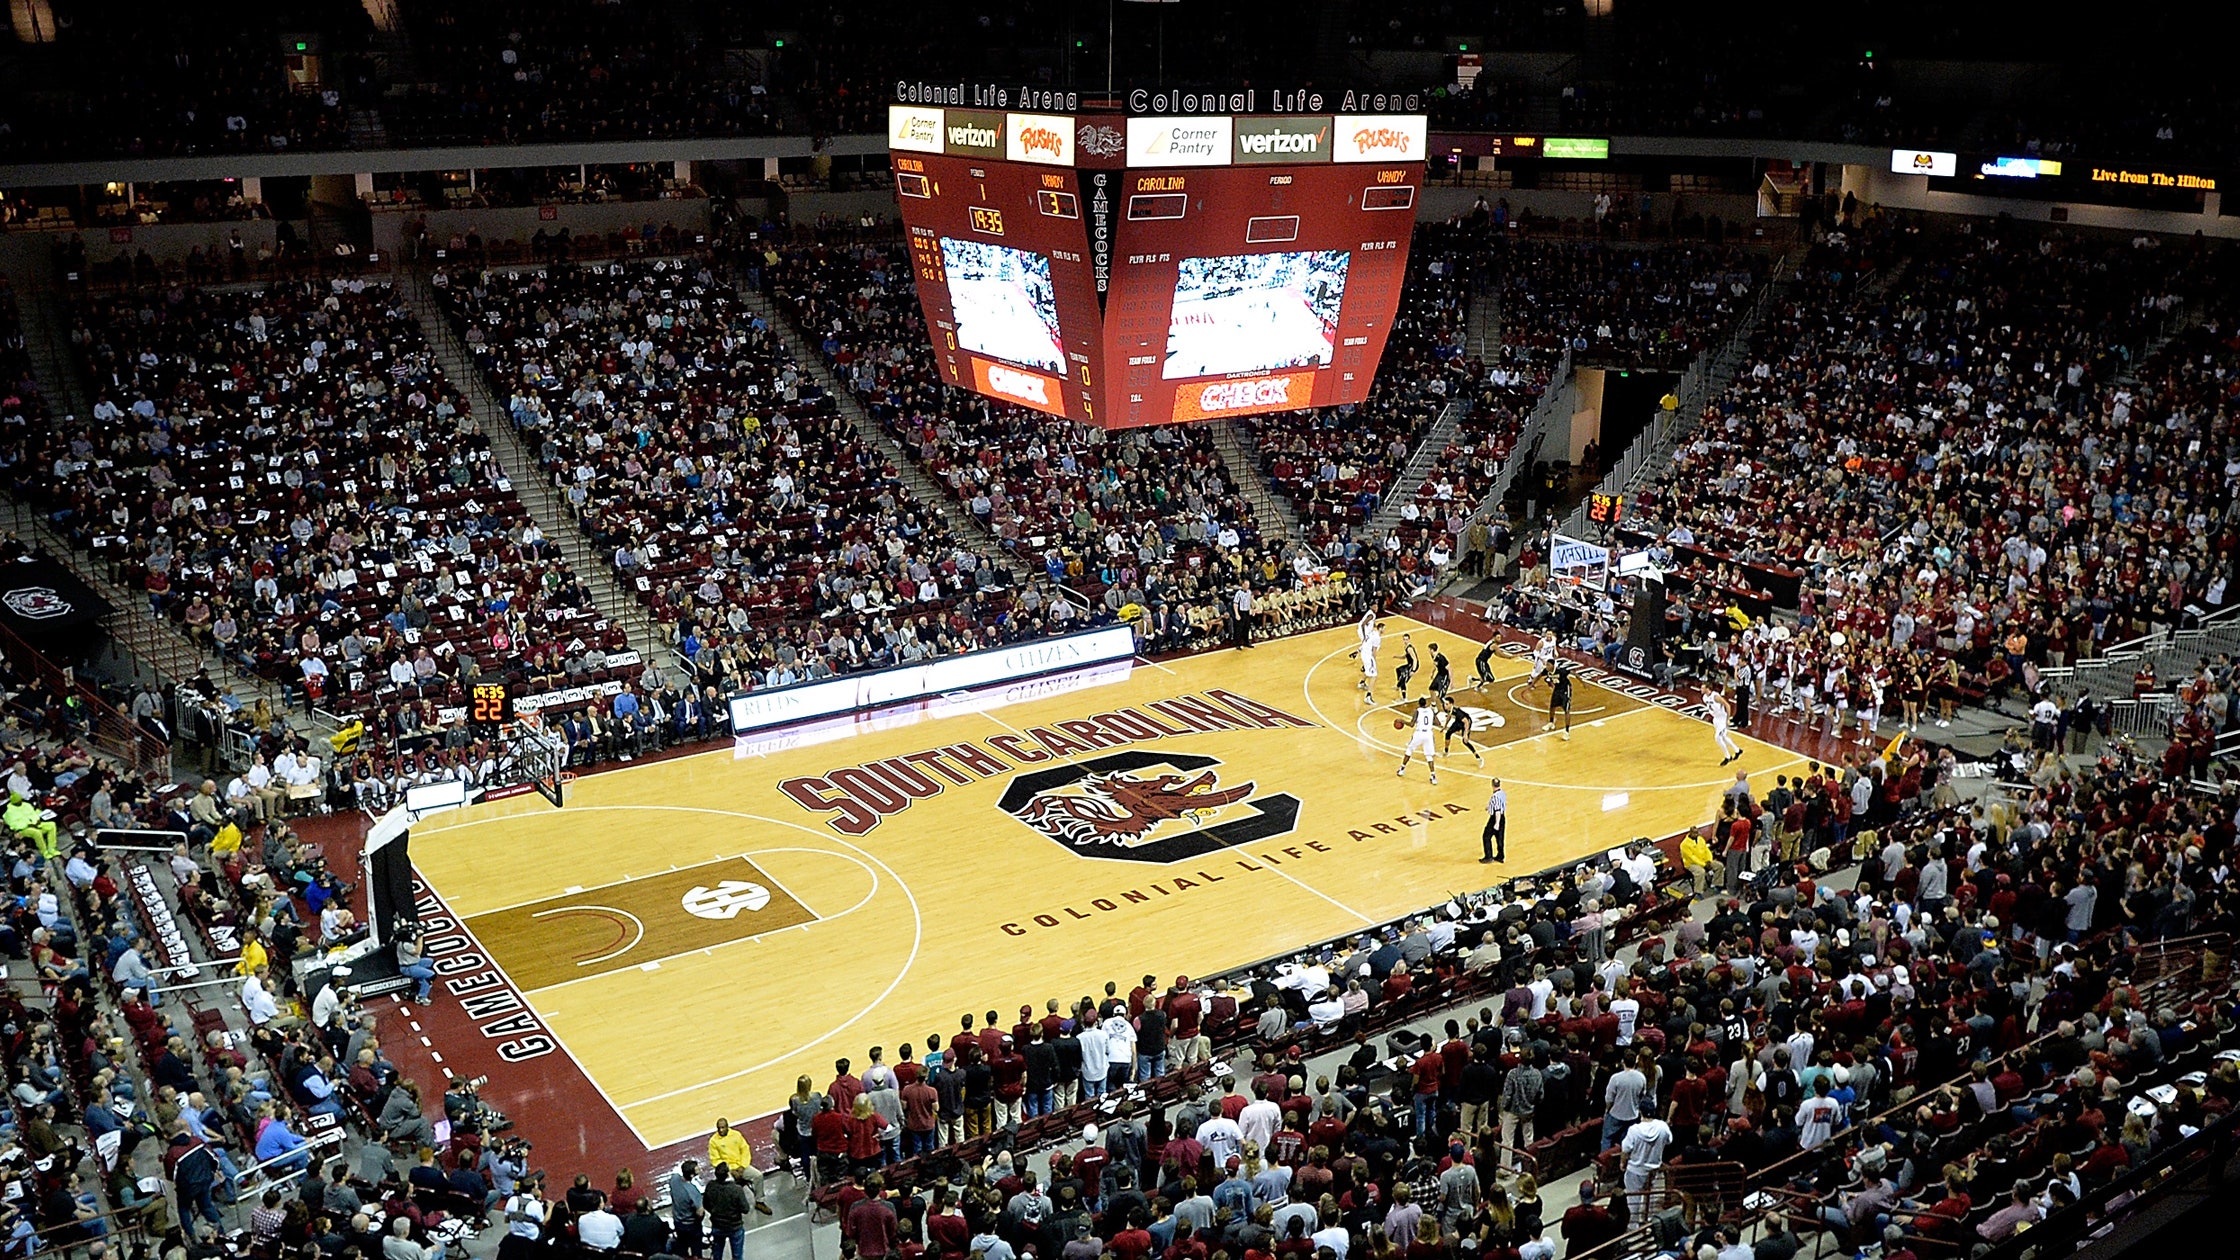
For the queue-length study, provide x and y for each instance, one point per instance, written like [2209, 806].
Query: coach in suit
[686, 718]
[580, 742]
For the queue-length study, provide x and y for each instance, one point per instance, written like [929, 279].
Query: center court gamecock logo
[36, 603]
[1098, 141]
[1110, 807]
[725, 900]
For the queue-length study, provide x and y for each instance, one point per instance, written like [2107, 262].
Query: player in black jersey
[1485, 665]
[1442, 674]
[1405, 672]
[1458, 723]
[1559, 697]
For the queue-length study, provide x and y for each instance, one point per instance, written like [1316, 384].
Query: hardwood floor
[699, 931]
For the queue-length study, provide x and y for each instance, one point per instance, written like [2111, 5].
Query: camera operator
[506, 1163]
[463, 1105]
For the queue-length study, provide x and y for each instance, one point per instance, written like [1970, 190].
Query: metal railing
[1709, 373]
[1401, 490]
[109, 729]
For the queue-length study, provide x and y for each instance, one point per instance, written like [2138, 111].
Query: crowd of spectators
[1654, 308]
[1970, 465]
[155, 80]
[1645, 306]
[139, 1119]
[287, 475]
[509, 73]
[759, 529]
[1959, 1037]
[1337, 464]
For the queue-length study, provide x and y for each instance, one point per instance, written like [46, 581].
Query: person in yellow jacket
[728, 1146]
[253, 953]
[1695, 857]
[26, 819]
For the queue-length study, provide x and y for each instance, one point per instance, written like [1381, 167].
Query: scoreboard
[1126, 271]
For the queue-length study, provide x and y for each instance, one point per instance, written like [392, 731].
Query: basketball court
[696, 932]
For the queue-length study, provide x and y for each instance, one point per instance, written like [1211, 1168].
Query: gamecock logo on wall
[36, 603]
[1147, 807]
[1098, 141]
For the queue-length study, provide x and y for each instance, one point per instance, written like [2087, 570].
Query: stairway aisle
[1483, 330]
[935, 496]
[1276, 516]
[1402, 491]
[153, 643]
[536, 491]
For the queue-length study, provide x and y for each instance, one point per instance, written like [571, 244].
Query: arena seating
[20, 400]
[511, 72]
[737, 504]
[1654, 308]
[288, 475]
[1894, 492]
[1649, 306]
[191, 79]
[1337, 464]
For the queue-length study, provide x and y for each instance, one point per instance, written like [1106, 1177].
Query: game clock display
[1162, 271]
[490, 704]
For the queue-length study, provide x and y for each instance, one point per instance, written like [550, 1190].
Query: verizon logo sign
[1280, 143]
[970, 137]
[1264, 140]
[1381, 138]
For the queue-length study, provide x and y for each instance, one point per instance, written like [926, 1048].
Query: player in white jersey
[1427, 729]
[1716, 705]
[1543, 658]
[1371, 631]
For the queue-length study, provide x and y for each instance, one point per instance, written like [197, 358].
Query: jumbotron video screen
[1124, 271]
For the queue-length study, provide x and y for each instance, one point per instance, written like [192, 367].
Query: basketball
[1399, 724]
